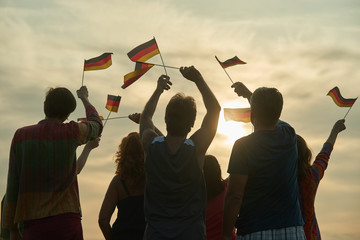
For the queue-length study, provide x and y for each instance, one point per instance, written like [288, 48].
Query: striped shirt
[308, 186]
[42, 178]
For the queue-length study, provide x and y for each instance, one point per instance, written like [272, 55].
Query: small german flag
[230, 62]
[113, 103]
[135, 75]
[237, 114]
[340, 100]
[101, 62]
[144, 51]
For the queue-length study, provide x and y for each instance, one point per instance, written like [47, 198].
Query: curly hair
[130, 160]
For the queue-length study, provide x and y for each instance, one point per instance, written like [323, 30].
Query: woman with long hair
[216, 188]
[126, 192]
[309, 176]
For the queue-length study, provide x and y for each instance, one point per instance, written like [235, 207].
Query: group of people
[167, 186]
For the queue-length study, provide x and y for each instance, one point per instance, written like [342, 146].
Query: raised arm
[338, 127]
[135, 117]
[204, 136]
[241, 90]
[147, 128]
[80, 162]
[92, 128]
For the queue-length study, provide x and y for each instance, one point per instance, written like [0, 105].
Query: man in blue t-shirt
[262, 196]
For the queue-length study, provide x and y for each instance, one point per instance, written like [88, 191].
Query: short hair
[266, 105]
[180, 114]
[59, 103]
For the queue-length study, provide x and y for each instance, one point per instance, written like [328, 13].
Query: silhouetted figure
[42, 188]
[215, 188]
[309, 178]
[126, 193]
[175, 194]
[262, 196]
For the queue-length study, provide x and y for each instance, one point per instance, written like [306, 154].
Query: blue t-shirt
[175, 194]
[269, 159]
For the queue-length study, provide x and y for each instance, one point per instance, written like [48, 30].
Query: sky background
[303, 48]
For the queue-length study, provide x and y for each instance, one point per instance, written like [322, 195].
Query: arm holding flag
[241, 90]
[147, 127]
[338, 127]
[203, 136]
[92, 128]
[135, 117]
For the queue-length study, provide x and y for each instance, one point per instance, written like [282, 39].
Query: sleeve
[12, 189]
[94, 125]
[238, 161]
[321, 162]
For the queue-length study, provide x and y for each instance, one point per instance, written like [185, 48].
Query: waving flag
[113, 103]
[101, 62]
[135, 75]
[230, 62]
[144, 51]
[237, 114]
[339, 100]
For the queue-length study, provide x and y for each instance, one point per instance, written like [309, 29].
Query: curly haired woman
[126, 192]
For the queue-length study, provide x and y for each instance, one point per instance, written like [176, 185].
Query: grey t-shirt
[175, 195]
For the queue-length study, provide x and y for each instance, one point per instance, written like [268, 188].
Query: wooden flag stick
[228, 76]
[162, 60]
[107, 118]
[161, 65]
[117, 117]
[82, 81]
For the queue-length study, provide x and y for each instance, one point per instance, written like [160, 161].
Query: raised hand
[163, 83]
[135, 117]
[82, 92]
[339, 126]
[241, 90]
[191, 73]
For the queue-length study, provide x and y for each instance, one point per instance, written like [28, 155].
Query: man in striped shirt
[42, 189]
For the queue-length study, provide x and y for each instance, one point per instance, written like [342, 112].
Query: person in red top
[309, 176]
[215, 188]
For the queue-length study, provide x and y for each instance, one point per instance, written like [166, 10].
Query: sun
[231, 129]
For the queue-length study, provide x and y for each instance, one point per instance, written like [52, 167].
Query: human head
[266, 105]
[130, 159]
[180, 115]
[304, 156]
[212, 174]
[59, 103]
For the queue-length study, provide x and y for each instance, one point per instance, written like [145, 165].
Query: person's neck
[174, 142]
[259, 127]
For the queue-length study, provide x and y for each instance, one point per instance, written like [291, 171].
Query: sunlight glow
[231, 129]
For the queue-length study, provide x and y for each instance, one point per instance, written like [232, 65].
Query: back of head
[130, 159]
[180, 115]
[266, 105]
[304, 157]
[212, 174]
[59, 103]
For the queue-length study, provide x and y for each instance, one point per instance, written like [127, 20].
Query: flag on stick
[135, 75]
[230, 62]
[144, 51]
[237, 114]
[113, 103]
[101, 62]
[340, 100]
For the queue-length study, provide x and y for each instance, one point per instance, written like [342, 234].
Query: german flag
[237, 114]
[135, 75]
[144, 51]
[340, 100]
[113, 103]
[101, 62]
[230, 62]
